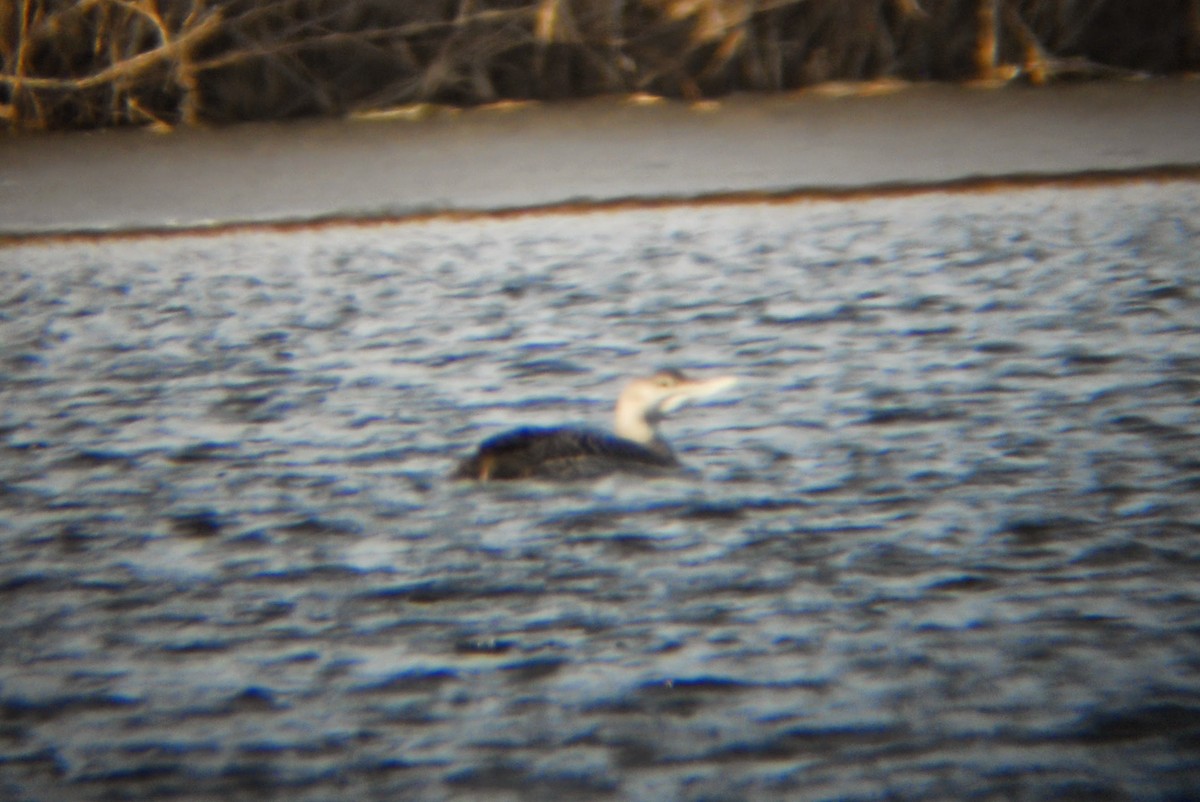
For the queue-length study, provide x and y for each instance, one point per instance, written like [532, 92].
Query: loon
[534, 452]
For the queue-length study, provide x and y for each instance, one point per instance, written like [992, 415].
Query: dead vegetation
[90, 63]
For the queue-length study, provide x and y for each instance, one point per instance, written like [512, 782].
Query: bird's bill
[696, 389]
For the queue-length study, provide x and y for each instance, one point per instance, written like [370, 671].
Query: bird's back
[561, 453]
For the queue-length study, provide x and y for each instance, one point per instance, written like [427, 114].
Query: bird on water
[636, 446]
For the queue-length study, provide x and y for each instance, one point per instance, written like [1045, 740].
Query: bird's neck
[633, 424]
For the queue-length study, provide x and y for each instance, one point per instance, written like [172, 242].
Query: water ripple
[943, 543]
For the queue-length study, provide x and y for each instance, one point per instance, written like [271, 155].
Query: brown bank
[604, 151]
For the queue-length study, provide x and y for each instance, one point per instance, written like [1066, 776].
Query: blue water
[942, 542]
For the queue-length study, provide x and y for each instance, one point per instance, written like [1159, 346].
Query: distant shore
[112, 63]
[609, 151]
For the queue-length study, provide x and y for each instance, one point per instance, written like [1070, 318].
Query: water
[942, 542]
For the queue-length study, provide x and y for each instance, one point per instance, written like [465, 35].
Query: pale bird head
[646, 401]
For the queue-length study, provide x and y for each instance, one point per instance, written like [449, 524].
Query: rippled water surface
[943, 541]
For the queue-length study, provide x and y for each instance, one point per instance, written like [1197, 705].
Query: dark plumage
[533, 452]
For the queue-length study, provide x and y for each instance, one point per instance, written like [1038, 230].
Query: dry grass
[87, 63]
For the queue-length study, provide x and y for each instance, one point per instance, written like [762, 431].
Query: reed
[91, 63]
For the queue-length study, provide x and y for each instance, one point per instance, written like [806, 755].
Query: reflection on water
[942, 541]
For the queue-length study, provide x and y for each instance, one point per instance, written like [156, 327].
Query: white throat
[632, 423]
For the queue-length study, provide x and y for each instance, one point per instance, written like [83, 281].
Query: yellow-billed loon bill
[534, 452]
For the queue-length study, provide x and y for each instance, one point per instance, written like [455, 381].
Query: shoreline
[602, 153]
[972, 186]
